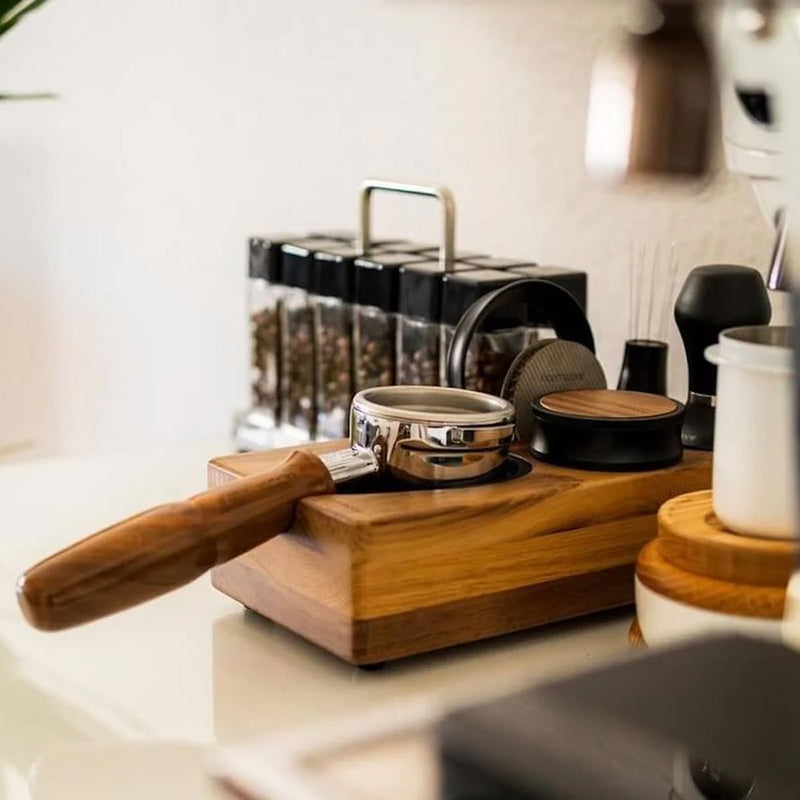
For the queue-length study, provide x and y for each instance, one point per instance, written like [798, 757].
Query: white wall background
[184, 125]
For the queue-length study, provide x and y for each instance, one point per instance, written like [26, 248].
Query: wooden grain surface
[635, 637]
[407, 633]
[166, 547]
[662, 576]
[608, 404]
[692, 538]
[432, 568]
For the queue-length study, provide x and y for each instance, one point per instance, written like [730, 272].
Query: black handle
[713, 298]
[550, 302]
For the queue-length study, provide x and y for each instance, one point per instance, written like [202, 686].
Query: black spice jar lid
[458, 255]
[297, 261]
[334, 273]
[348, 238]
[421, 289]
[607, 430]
[416, 248]
[377, 279]
[264, 255]
[493, 262]
[461, 289]
[341, 235]
[573, 280]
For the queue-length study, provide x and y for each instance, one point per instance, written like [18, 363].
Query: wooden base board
[375, 577]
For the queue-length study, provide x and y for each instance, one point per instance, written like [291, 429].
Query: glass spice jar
[377, 282]
[263, 300]
[421, 344]
[254, 428]
[265, 338]
[333, 325]
[420, 352]
[419, 324]
[298, 386]
[501, 337]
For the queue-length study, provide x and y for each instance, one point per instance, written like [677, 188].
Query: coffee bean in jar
[265, 300]
[377, 288]
[298, 348]
[254, 428]
[333, 323]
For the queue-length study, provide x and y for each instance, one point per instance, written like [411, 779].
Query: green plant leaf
[6, 6]
[12, 12]
[28, 96]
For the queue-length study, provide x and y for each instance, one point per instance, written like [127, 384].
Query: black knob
[713, 298]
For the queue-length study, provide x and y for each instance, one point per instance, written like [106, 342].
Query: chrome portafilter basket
[424, 434]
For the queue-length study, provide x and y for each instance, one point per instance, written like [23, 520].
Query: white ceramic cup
[754, 471]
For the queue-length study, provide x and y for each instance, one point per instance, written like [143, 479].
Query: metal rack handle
[441, 193]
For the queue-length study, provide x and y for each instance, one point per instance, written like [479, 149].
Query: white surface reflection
[124, 771]
[267, 679]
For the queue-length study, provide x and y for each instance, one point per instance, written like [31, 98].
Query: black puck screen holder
[550, 301]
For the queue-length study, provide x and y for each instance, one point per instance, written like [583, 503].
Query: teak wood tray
[376, 577]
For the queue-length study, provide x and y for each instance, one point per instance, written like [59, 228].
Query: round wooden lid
[692, 538]
[745, 600]
[608, 404]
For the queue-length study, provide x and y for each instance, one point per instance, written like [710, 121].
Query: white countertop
[128, 707]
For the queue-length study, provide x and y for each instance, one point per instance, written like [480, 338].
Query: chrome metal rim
[435, 405]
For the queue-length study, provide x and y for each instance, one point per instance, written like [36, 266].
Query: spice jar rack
[332, 312]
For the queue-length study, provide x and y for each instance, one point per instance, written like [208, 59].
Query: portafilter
[418, 434]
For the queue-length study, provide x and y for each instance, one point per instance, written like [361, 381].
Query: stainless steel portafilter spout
[652, 97]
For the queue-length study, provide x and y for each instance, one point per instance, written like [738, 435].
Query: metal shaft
[347, 465]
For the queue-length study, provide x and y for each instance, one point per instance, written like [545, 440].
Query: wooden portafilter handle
[166, 547]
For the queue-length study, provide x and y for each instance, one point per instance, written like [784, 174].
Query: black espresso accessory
[548, 365]
[651, 287]
[610, 431]
[546, 299]
[644, 366]
[713, 298]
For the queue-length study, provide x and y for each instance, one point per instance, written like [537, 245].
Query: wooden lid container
[696, 561]
[603, 429]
